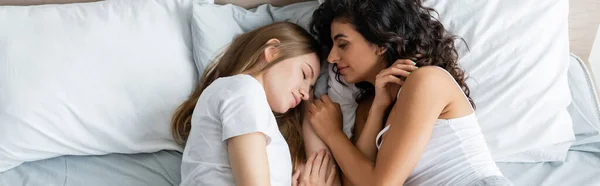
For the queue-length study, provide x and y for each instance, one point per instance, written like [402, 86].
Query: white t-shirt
[229, 107]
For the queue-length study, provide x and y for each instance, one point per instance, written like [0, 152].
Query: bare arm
[412, 124]
[371, 126]
[365, 141]
[248, 159]
[359, 124]
[313, 143]
[412, 120]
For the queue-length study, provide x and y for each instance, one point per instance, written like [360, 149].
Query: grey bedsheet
[151, 169]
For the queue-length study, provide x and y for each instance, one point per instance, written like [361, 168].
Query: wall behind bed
[584, 18]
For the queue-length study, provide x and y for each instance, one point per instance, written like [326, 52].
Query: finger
[326, 99]
[311, 107]
[404, 61]
[394, 71]
[331, 176]
[308, 166]
[390, 79]
[324, 167]
[295, 177]
[318, 103]
[409, 67]
[296, 174]
[317, 163]
[337, 105]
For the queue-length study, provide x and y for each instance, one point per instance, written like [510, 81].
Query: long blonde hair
[242, 55]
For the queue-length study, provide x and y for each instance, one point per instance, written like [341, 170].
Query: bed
[162, 167]
[583, 159]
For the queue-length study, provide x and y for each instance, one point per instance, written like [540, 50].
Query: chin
[281, 110]
[350, 79]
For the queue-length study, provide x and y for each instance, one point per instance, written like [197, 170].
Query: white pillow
[92, 78]
[518, 61]
[211, 36]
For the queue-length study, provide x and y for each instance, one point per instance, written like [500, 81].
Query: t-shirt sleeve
[246, 112]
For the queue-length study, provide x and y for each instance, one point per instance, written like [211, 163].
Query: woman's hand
[318, 171]
[388, 82]
[325, 116]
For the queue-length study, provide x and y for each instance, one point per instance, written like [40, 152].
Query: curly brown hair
[405, 28]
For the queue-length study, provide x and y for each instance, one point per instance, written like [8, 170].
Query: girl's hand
[325, 116]
[388, 82]
[318, 171]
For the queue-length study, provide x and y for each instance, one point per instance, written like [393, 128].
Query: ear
[271, 51]
[380, 50]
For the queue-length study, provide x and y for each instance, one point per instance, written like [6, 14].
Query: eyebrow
[338, 36]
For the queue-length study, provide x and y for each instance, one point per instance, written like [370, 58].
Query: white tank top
[456, 154]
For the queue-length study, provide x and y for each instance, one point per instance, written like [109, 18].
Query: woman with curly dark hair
[415, 123]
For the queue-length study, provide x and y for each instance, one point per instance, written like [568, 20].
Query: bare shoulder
[435, 84]
[429, 78]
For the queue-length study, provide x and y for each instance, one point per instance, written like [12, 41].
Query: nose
[304, 93]
[333, 57]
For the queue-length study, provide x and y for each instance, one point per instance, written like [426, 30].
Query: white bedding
[92, 78]
[583, 158]
[515, 61]
[162, 168]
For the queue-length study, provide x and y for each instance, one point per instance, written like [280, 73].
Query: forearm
[356, 167]
[346, 181]
[366, 141]
[312, 142]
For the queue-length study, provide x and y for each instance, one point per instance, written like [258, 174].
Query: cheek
[364, 59]
[296, 79]
[288, 81]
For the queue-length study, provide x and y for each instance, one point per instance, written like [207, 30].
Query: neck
[373, 75]
[258, 77]
[372, 80]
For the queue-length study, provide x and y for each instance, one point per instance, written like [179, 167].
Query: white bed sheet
[579, 168]
[582, 165]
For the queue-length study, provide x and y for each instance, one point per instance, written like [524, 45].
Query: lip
[342, 69]
[296, 101]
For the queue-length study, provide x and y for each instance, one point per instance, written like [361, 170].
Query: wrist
[333, 135]
[376, 110]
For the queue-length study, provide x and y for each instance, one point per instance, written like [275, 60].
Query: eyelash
[304, 74]
[342, 46]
